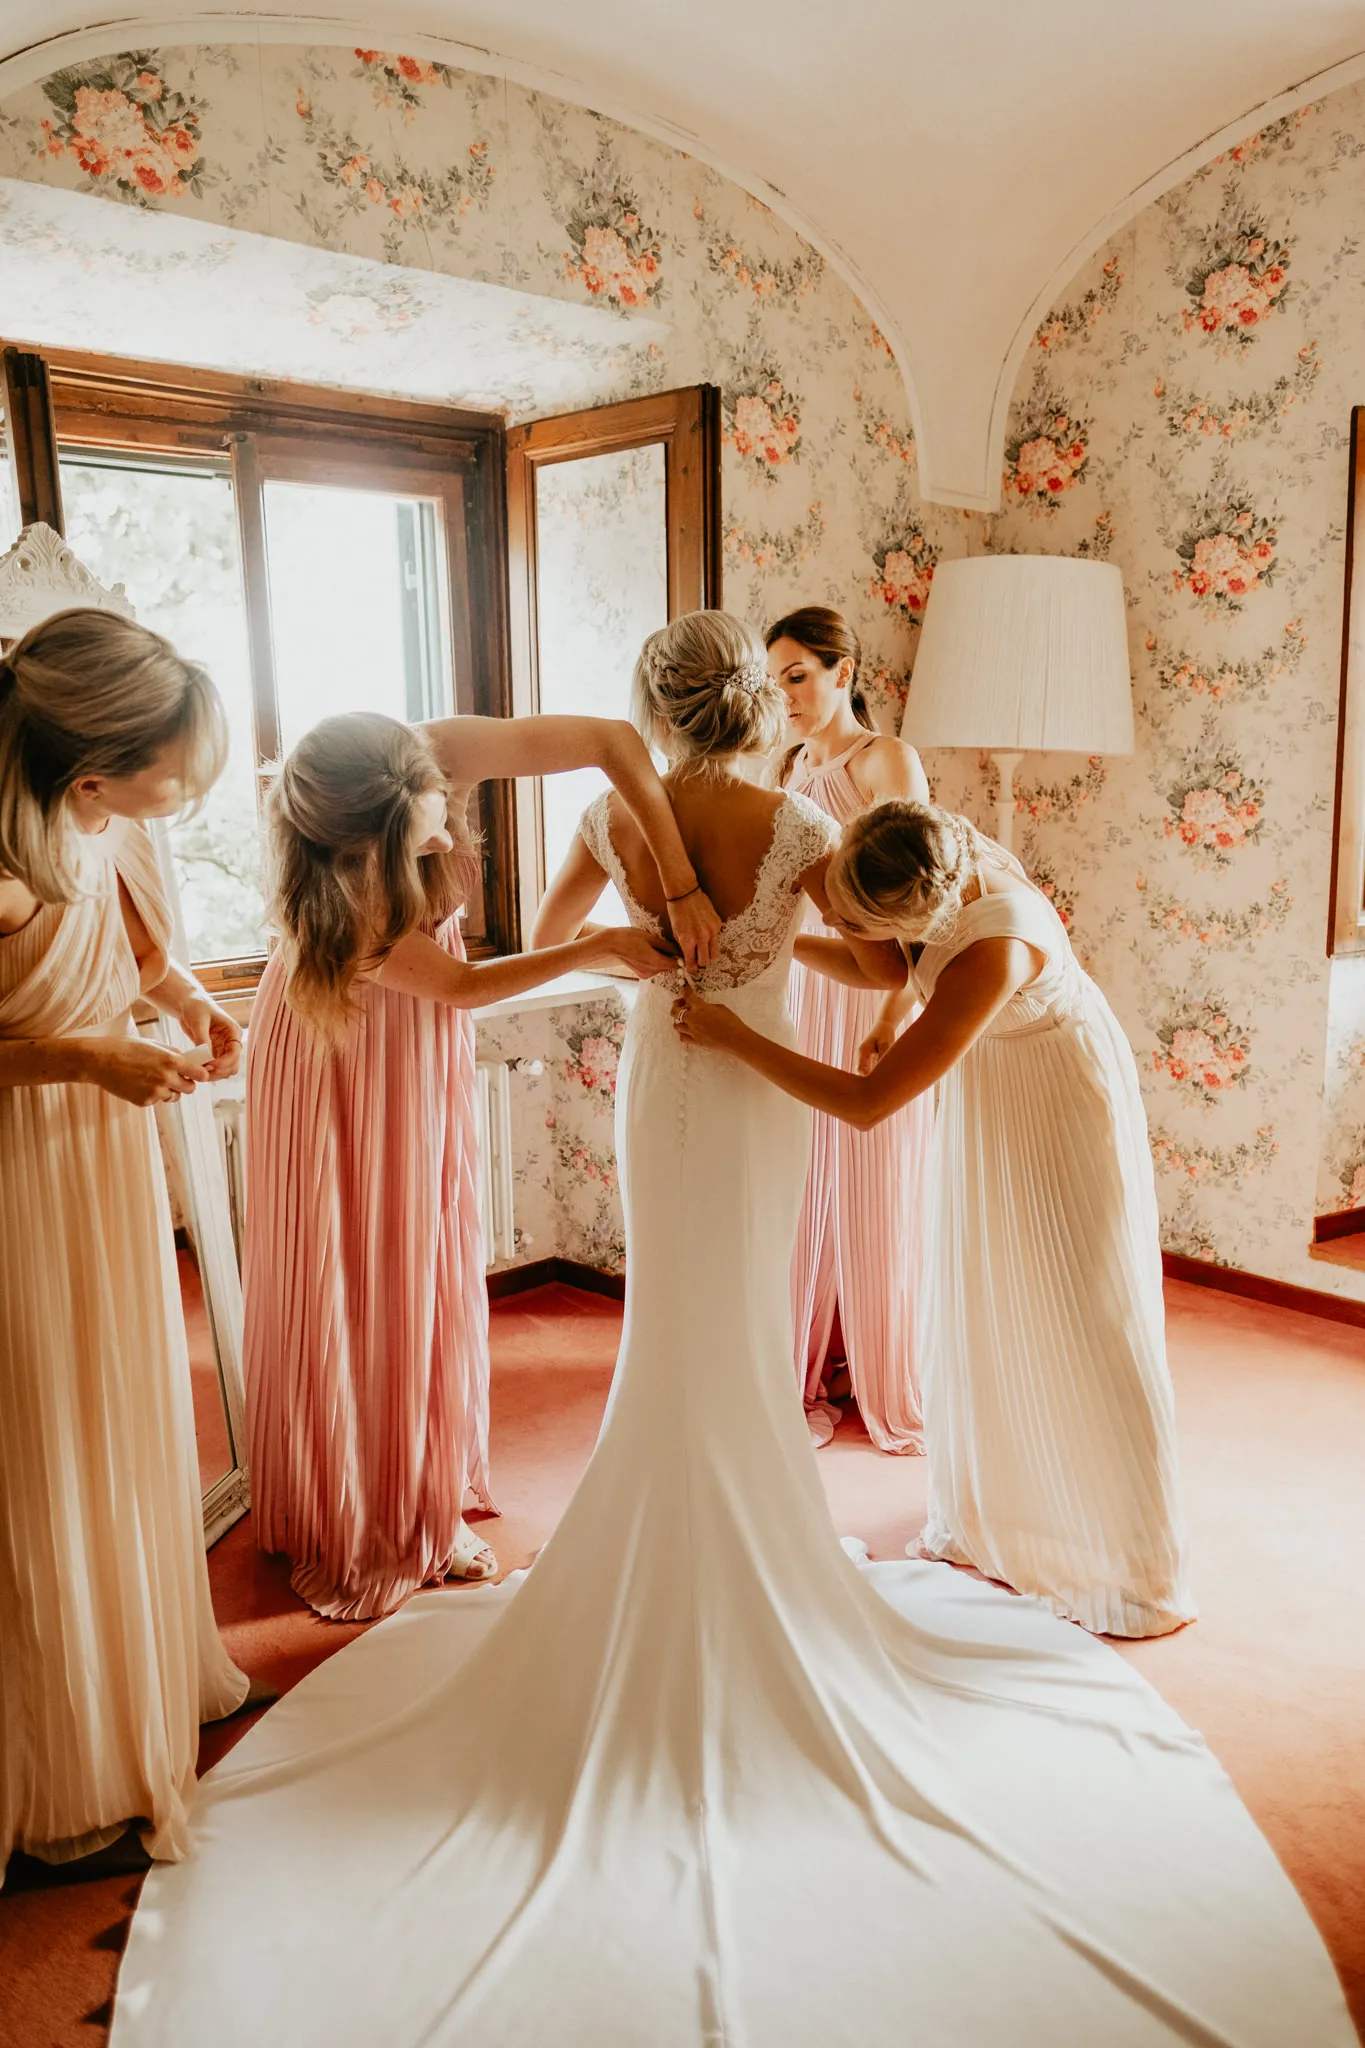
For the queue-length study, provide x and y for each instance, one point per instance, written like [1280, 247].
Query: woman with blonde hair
[110, 1654]
[859, 1247]
[366, 1340]
[1048, 1411]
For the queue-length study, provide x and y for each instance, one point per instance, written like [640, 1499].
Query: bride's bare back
[726, 825]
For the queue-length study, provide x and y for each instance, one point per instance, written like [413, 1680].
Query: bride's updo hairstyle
[346, 882]
[702, 692]
[901, 869]
[87, 692]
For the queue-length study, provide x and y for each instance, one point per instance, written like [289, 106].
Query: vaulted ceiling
[956, 159]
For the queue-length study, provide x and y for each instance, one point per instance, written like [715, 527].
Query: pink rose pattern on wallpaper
[1177, 670]
[1188, 413]
[126, 127]
[1226, 549]
[396, 81]
[1241, 277]
[1201, 1050]
[1046, 449]
[889, 436]
[1214, 809]
[1066, 321]
[903, 569]
[762, 418]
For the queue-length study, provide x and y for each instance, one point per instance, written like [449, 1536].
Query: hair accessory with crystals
[752, 676]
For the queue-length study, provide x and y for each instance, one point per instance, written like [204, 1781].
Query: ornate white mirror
[41, 575]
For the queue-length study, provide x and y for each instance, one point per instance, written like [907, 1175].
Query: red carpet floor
[1272, 1417]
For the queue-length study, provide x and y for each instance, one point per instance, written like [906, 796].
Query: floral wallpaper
[1185, 413]
[567, 1199]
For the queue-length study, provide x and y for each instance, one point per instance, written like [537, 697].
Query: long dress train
[1048, 1405]
[109, 1654]
[366, 1317]
[859, 1244]
[592, 1809]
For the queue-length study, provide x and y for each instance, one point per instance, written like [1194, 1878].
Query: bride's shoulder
[807, 824]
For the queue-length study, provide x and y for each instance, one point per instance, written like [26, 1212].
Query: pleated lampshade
[1023, 652]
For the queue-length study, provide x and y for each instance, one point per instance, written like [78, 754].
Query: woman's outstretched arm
[472, 750]
[837, 961]
[972, 989]
[417, 966]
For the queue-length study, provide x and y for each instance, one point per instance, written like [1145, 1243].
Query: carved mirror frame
[38, 576]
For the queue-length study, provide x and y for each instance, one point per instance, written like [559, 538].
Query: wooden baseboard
[1339, 1223]
[551, 1272]
[1334, 1308]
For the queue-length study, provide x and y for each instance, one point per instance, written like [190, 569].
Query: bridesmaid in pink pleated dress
[858, 1250]
[366, 1336]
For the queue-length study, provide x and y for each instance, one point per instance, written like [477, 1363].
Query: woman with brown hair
[366, 1343]
[855, 1276]
[111, 1658]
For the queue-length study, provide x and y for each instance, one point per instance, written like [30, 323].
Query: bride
[696, 1781]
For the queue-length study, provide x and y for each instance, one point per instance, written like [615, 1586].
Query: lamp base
[1005, 763]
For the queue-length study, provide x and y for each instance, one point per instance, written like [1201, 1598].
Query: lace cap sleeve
[593, 831]
[809, 832]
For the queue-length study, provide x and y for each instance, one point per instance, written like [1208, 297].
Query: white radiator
[497, 1202]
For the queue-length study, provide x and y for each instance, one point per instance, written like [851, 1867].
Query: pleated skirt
[860, 1239]
[366, 1312]
[109, 1656]
[1049, 1413]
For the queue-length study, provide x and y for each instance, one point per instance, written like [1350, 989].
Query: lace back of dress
[756, 936]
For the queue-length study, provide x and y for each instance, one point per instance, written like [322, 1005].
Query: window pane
[355, 605]
[602, 566]
[170, 537]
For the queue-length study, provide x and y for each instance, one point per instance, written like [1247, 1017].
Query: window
[318, 552]
[1346, 907]
[322, 551]
[168, 533]
[614, 529]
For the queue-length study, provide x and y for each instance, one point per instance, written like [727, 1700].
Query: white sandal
[467, 1559]
[822, 1419]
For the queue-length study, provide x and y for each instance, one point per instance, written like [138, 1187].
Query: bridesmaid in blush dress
[858, 1249]
[109, 1655]
[366, 1312]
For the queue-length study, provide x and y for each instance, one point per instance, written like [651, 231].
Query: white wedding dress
[695, 1780]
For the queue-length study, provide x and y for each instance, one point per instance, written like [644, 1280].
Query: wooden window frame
[687, 422]
[1346, 898]
[266, 429]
